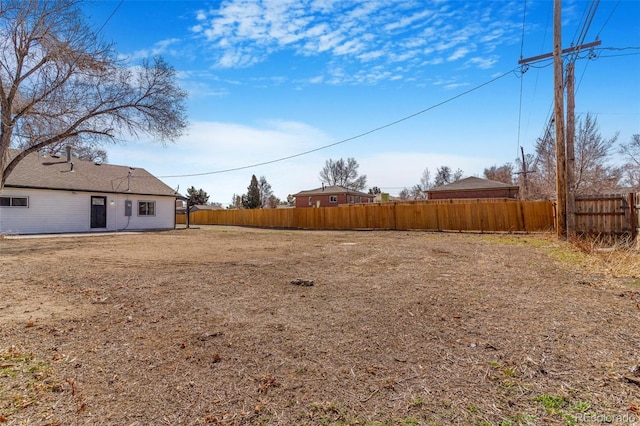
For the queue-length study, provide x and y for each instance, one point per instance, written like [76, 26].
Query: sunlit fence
[484, 215]
[607, 214]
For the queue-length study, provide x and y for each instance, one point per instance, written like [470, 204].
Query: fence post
[522, 215]
[635, 212]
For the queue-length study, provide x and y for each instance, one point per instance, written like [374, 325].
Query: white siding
[63, 211]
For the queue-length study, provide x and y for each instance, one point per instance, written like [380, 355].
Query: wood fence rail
[607, 214]
[493, 215]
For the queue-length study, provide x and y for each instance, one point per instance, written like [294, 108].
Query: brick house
[473, 187]
[331, 196]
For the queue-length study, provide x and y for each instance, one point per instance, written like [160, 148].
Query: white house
[49, 194]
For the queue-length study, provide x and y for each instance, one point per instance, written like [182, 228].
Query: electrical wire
[573, 56]
[349, 139]
[110, 16]
[542, 44]
[524, 14]
[608, 18]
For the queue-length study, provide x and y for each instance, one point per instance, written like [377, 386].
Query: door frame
[98, 218]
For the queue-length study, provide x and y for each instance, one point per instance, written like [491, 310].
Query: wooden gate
[611, 214]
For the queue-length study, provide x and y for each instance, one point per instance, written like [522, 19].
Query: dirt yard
[242, 326]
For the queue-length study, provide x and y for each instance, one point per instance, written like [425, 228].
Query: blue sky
[275, 79]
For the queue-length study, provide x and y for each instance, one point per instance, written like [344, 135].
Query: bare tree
[417, 193]
[592, 172]
[443, 176]
[265, 192]
[272, 202]
[502, 174]
[84, 150]
[425, 180]
[58, 82]
[542, 184]
[405, 194]
[343, 173]
[631, 151]
[236, 202]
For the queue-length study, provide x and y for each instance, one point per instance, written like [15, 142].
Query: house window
[146, 208]
[14, 201]
[310, 201]
[333, 198]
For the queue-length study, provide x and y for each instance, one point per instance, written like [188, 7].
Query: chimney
[68, 148]
[323, 186]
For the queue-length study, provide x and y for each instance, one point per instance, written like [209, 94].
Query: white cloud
[159, 48]
[461, 52]
[482, 63]
[455, 85]
[246, 32]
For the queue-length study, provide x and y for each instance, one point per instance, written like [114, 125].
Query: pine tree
[251, 200]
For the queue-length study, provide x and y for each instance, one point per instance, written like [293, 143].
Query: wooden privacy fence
[610, 214]
[636, 217]
[443, 215]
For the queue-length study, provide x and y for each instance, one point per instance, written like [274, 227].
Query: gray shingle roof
[46, 172]
[331, 190]
[472, 183]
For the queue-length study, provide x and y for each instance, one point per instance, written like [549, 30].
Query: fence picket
[453, 215]
[608, 214]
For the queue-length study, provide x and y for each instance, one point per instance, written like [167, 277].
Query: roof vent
[68, 150]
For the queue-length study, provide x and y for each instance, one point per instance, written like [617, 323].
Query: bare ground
[216, 326]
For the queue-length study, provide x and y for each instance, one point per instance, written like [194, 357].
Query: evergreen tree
[251, 200]
[197, 196]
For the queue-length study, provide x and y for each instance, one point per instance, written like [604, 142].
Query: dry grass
[211, 326]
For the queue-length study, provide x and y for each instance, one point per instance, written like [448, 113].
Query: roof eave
[92, 190]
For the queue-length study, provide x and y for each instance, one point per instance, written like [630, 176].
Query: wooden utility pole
[561, 159]
[565, 208]
[524, 194]
[525, 186]
[571, 157]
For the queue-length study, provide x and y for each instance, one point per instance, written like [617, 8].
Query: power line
[608, 18]
[393, 123]
[110, 16]
[524, 14]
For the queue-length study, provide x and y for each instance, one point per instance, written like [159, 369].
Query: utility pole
[561, 159]
[524, 172]
[565, 206]
[571, 157]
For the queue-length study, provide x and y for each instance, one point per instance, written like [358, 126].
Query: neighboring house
[473, 187]
[50, 194]
[331, 196]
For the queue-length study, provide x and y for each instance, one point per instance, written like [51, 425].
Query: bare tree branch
[59, 83]
[343, 173]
